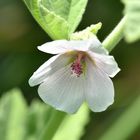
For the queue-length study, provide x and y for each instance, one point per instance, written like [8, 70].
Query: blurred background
[19, 58]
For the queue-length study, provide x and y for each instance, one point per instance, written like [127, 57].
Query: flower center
[77, 65]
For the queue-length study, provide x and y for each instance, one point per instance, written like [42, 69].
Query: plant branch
[115, 36]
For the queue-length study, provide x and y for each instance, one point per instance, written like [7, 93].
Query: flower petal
[49, 67]
[100, 90]
[63, 91]
[106, 63]
[96, 46]
[62, 46]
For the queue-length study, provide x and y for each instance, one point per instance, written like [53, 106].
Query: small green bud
[87, 33]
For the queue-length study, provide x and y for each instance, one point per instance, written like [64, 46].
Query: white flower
[79, 72]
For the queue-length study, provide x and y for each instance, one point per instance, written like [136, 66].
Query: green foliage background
[19, 58]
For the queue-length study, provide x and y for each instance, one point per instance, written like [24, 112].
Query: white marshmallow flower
[79, 72]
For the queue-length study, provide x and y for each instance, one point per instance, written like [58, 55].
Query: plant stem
[53, 125]
[115, 36]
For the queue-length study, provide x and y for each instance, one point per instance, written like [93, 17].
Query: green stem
[115, 36]
[53, 125]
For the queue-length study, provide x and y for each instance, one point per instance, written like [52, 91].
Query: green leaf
[59, 18]
[39, 115]
[132, 27]
[72, 127]
[126, 124]
[37, 121]
[53, 125]
[12, 115]
[56, 26]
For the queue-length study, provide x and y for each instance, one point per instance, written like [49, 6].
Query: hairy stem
[115, 36]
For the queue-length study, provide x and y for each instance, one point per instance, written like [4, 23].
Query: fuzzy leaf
[12, 115]
[132, 28]
[39, 115]
[59, 18]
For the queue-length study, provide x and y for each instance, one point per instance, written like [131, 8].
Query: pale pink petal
[62, 46]
[99, 88]
[106, 63]
[96, 46]
[48, 68]
[63, 91]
